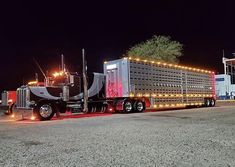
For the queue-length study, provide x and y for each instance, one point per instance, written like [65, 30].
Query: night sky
[106, 29]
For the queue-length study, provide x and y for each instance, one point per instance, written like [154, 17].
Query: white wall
[223, 85]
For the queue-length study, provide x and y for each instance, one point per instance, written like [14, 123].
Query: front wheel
[45, 111]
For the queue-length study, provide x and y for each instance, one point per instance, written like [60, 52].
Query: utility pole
[85, 92]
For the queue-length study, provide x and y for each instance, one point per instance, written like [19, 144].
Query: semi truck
[126, 85]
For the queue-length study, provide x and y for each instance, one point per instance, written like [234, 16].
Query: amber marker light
[33, 118]
[32, 82]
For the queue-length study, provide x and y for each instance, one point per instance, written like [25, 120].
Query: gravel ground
[189, 137]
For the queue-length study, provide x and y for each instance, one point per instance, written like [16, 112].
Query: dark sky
[106, 29]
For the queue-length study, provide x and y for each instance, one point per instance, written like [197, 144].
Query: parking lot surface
[185, 137]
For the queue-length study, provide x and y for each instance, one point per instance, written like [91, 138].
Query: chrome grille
[4, 98]
[23, 98]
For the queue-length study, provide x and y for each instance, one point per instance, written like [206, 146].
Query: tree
[160, 48]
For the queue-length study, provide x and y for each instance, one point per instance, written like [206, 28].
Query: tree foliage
[160, 48]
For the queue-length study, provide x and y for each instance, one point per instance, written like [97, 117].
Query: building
[225, 83]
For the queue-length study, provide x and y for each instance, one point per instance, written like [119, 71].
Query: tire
[212, 102]
[127, 106]
[139, 106]
[207, 102]
[45, 111]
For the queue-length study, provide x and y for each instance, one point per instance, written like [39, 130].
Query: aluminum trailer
[161, 84]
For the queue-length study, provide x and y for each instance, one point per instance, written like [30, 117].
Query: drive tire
[45, 111]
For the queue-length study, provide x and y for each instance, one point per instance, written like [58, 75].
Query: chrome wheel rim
[140, 106]
[45, 110]
[128, 106]
[212, 102]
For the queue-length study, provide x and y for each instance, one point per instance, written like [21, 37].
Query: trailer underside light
[12, 116]
[32, 118]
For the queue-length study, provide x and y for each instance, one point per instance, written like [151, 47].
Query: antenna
[85, 92]
[62, 63]
[35, 61]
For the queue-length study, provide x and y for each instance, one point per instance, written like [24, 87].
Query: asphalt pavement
[186, 137]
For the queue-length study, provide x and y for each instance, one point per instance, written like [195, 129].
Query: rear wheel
[212, 103]
[207, 102]
[139, 106]
[127, 106]
[45, 111]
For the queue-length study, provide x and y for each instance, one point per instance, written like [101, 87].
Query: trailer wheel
[139, 106]
[45, 111]
[127, 106]
[212, 102]
[207, 102]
